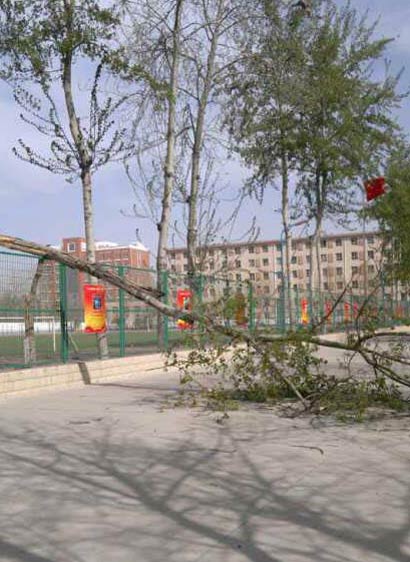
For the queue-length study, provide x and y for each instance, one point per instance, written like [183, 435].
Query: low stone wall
[76, 374]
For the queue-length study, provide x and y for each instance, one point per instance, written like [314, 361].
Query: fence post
[251, 304]
[64, 351]
[164, 318]
[121, 317]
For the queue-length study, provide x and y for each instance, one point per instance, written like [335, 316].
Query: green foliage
[307, 95]
[281, 373]
[36, 35]
[392, 211]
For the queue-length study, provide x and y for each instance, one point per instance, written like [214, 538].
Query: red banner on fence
[95, 313]
[184, 302]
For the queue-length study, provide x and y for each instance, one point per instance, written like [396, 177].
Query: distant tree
[41, 44]
[346, 122]
[264, 121]
[308, 104]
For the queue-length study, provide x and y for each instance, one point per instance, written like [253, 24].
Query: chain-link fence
[50, 300]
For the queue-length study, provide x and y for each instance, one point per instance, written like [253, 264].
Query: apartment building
[348, 258]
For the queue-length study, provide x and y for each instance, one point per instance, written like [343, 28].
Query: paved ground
[107, 474]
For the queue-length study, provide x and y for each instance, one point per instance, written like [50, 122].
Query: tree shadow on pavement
[223, 498]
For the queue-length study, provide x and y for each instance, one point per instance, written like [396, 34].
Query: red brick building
[134, 257]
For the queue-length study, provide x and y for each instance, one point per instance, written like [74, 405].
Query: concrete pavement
[112, 473]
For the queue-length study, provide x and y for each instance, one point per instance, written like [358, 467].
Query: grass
[12, 351]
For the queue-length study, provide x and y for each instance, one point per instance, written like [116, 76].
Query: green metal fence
[57, 310]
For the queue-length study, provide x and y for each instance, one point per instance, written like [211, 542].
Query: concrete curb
[16, 382]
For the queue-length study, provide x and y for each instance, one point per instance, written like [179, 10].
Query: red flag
[375, 187]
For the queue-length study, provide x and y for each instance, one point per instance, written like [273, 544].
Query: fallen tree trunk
[357, 343]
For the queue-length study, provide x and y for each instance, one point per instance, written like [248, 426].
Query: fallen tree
[279, 355]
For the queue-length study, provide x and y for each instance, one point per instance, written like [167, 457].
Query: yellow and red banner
[305, 311]
[95, 312]
[184, 302]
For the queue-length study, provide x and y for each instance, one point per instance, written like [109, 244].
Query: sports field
[12, 350]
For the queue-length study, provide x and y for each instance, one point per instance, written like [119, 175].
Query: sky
[39, 206]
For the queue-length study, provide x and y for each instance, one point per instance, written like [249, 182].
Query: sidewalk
[113, 472]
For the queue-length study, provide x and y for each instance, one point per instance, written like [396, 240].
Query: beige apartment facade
[352, 259]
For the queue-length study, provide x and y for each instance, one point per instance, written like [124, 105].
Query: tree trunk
[316, 272]
[192, 234]
[85, 161]
[30, 355]
[169, 168]
[90, 246]
[288, 241]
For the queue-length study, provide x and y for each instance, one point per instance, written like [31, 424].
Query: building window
[323, 243]
[338, 242]
[252, 276]
[355, 284]
[339, 285]
[324, 272]
[71, 246]
[370, 254]
[238, 251]
[323, 257]
[251, 263]
[185, 254]
[238, 263]
[238, 277]
[185, 267]
[295, 287]
[339, 257]
[353, 241]
[295, 274]
[371, 269]
[308, 259]
[266, 275]
[224, 252]
[326, 286]
[355, 256]
[265, 249]
[294, 260]
[355, 269]
[251, 250]
[370, 239]
[265, 261]
[339, 271]
[308, 273]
